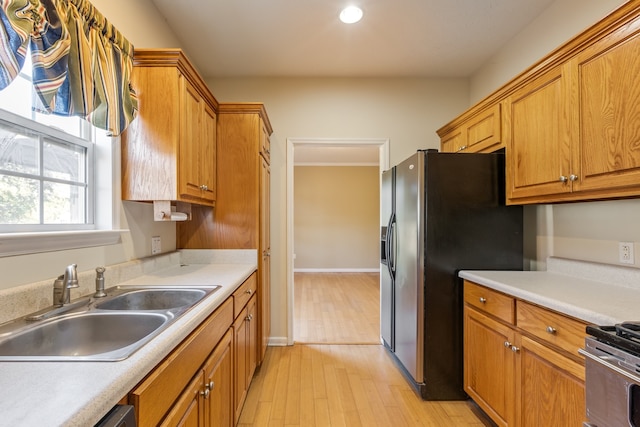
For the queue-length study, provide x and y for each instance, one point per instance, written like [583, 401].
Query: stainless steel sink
[153, 299]
[83, 336]
[98, 329]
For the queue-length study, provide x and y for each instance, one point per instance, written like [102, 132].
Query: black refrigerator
[444, 212]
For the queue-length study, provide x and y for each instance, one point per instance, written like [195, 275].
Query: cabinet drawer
[157, 393]
[552, 327]
[243, 293]
[490, 301]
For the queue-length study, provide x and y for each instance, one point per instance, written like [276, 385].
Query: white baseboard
[336, 270]
[278, 341]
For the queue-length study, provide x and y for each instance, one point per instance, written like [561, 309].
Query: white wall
[586, 231]
[144, 27]
[336, 218]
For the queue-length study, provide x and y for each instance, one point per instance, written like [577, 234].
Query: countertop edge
[590, 301]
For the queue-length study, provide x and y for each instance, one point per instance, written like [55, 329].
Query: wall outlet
[156, 246]
[625, 252]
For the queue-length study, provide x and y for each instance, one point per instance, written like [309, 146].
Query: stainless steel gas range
[612, 382]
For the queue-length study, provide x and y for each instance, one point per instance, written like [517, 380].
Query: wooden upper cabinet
[570, 123]
[538, 137]
[607, 88]
[574, 133]
[169, 150]
[481, 133]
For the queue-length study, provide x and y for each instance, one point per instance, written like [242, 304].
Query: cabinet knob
[211, 385]
[573, 177]
[205, 393]
[507, 344]
[483, 300]
[551, 329]
[248, 291]
[563, 178]
[515, 349]
[464, 147]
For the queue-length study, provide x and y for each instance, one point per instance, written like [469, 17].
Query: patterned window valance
[81, 63]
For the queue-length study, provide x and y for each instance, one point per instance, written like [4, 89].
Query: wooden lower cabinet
[517, 375]
[207, 400]
[204, 381]
[551, 387]
[489, 375]
[246, 353]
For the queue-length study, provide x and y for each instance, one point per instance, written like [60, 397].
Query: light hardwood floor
[336, 308]
[340, 384]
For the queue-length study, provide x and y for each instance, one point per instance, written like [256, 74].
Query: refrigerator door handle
[391, 246]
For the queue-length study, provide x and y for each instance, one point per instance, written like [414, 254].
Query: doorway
[382, 148]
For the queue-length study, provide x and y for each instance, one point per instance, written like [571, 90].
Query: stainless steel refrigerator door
[409, 290]
[386, 264]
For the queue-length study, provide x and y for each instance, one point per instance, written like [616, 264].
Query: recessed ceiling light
[351, 14]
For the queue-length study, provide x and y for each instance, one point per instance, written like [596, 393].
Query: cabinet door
[265, 142]
[483, 131]
[539, 138]
[453, 142]
[252, 344]
[264, 307]
[241, 345]
[550, 387]
[608, 90]
[489, 365]
[218, 372]
[190, 134]
[207, 153]
[188, 410]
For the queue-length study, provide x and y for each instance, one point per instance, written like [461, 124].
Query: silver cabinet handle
[248, 291]
[507, 344]
[205, 393]
[483, 300]
[563, 178]
[551, 329]
[573, 177]
[211, 385]
[515, 349]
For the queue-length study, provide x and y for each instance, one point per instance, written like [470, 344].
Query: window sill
[12, 244]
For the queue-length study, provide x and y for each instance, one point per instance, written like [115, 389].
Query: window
[48, 166]
[45, 179]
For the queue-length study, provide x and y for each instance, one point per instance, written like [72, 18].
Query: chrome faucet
[63, 284]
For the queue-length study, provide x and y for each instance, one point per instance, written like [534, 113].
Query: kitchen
[584, 231]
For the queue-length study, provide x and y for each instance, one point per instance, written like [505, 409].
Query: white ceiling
[304, 38]
[396, 38]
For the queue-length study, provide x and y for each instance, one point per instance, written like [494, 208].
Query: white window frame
[103, 174]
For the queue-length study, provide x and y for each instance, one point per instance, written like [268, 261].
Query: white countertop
[597, 294]
[81, 393]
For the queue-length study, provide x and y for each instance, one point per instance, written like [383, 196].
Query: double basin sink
[98, 329]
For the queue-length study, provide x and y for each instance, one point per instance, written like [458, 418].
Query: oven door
[612, 386]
